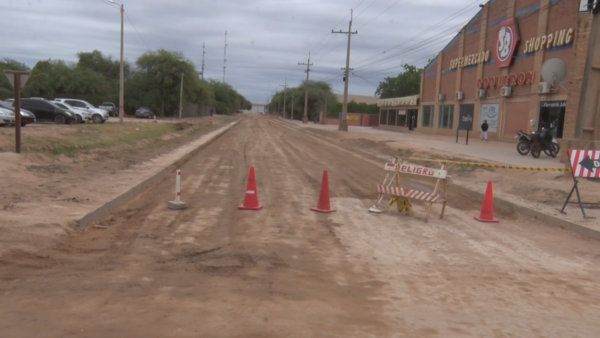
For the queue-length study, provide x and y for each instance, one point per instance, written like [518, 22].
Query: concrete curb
[523, 211]
[120, 200]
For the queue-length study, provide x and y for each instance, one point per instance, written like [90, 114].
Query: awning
[399, 101]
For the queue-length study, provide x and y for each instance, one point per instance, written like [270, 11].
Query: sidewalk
[496, 151]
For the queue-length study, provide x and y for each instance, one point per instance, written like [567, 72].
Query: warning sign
[585, 163]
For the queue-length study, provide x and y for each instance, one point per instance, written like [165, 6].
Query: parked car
[110, 107]
[7, 117]
[9, 101]
[47, 111]
[82, 115]
[144, 113]
[27, 117]
[98, 115]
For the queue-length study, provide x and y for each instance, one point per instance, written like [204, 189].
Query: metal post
[178, 186]
[17, 82]
[181, 98]
[121, 81]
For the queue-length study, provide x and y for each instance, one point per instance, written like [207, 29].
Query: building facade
[520, 65]
[400, 113]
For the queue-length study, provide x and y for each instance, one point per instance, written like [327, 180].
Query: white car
[82, 115]
[98, 115]
[7, 117]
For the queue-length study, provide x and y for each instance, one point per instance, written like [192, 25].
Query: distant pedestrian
[484, 129]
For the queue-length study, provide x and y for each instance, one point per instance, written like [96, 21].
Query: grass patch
[75, 139]
[48, 168]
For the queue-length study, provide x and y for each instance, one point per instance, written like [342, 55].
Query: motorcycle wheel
[554, 150]
[523, 147]
[536, 150]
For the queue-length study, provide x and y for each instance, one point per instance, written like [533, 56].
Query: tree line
[406, 83]
[153, 81]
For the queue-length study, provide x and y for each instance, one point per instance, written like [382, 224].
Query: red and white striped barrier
[177, 203]
[414, 194]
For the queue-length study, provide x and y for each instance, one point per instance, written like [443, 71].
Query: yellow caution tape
[487, 165]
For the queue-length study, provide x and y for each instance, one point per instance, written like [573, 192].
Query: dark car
[47, 111]
[144, 113]
[27, 117]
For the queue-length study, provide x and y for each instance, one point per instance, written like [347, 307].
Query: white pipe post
[177, 186]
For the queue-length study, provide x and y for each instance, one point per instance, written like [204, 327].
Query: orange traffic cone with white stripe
[323, 204]
[487, 208]
[251, 197]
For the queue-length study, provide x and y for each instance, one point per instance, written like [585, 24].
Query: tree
[226, 100]
[405, 84]
[318, 93]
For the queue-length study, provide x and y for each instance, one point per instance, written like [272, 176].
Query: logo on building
[506, 42]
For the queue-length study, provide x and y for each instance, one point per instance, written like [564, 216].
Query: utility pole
[203, 52]
[292, 112]
[224, 56]
[181, 98]
[308, 64]
[344, 123]
[325, 111]
[284, 96]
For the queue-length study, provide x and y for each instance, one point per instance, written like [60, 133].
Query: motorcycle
[524, 145]
[543, 140]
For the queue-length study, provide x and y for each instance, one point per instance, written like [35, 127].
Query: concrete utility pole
[292, 112]
[224, 56]
[181, 98]
[344, 123]
[203, 52]
[305, 117]
[284, 96]
[324, 112]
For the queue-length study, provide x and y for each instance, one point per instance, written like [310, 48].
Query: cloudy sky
[266, 39]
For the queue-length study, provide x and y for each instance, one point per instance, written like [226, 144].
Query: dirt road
[284, 271]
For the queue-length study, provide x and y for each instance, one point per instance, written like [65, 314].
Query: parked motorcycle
[543, 141]
[524, 145]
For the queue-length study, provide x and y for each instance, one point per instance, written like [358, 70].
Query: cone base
[242, 207]
[493, 220]
[323, 210]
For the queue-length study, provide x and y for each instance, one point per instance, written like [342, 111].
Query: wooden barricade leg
[375, 208]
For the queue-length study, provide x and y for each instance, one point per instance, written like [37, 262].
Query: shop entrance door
[552, 115]
[413, 116]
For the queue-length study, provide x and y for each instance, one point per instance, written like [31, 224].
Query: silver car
[7, 117]
[81, 114]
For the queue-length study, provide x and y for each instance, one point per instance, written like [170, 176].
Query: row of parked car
[59, 111]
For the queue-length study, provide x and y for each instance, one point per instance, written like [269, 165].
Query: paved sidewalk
[496, 151]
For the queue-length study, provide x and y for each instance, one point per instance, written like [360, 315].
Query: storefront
[399, 113]
[519, 65]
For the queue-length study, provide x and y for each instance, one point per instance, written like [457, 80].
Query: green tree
[318, 93]
[226, 100]
[405, 84]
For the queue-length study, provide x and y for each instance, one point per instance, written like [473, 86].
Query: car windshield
[87, 103]
[6, 105]
[55, 105]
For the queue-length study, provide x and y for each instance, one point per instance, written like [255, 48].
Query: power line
[138, 33]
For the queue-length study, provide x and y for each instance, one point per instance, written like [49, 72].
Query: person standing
[484, 129]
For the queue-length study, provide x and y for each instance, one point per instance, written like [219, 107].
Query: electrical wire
[138, 33]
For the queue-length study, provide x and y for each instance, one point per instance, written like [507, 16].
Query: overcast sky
[265, 38]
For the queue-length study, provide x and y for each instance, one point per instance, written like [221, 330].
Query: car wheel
[59, 119]
[97, 118]
[79, 119]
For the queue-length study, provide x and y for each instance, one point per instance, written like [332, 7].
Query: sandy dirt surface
[212, 270]
[42, 198]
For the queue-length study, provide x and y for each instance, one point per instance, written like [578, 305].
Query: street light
[121, 70]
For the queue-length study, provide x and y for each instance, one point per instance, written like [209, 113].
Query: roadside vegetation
[153, 81]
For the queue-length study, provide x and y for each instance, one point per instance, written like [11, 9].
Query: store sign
[402, 112]
[506, 42]
[465, 116]
[513, 79]
[469, 60]
[558, 38]
[553, 104]
[489, 113]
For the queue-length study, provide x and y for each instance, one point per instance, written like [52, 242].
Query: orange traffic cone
[487, 208]
[154, 119]
[251, 198]
[323, 204]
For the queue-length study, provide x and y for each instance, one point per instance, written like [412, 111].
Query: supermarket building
[517, 64]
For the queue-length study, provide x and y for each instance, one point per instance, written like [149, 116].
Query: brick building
[519, 65]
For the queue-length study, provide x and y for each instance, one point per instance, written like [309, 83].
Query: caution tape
[487, 165]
